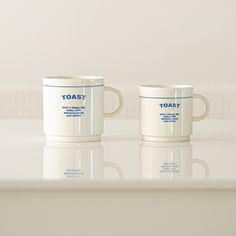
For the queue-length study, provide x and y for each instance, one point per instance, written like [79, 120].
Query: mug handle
[114, 166]
[121, 101]
[207, 107]
[204, 165]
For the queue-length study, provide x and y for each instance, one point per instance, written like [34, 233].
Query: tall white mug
[166, 112]
[73, 107]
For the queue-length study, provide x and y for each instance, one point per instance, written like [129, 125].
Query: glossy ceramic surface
[73, 108]
[166, 112]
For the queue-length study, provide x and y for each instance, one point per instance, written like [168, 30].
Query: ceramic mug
[168, 160]
[82, 161]
[73, 107]
[166, 112]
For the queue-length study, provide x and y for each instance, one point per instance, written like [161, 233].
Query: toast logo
[73, 97]
[170, 105]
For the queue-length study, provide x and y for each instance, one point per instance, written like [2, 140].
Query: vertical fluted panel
[20, 102]
[26, 102]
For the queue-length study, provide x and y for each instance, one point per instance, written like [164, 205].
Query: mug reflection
[168, 160]
[83, 161]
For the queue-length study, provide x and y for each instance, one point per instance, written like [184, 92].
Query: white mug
[82, 161]
[166, 112]
[168, 160]
[73, 107]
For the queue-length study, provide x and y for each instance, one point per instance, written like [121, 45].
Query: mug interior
[168, 86]
[169, 91]
[78, 77]
[70, 80]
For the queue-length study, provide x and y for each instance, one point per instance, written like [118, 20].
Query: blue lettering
[73, 96]
[174, 105]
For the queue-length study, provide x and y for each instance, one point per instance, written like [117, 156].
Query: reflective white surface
[121, 159]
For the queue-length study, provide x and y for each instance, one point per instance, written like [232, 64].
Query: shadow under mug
[82, 161]
[73, 107]
[173, 160]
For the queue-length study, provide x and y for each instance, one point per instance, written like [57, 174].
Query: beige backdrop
[128, 41]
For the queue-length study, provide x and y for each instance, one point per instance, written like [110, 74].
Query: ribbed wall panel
[26, 102]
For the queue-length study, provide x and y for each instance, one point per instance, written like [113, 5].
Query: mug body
[73, 108]
[82, 161]
[166, 112]
[162, 160]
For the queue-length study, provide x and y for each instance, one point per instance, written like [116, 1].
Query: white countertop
[121, 160]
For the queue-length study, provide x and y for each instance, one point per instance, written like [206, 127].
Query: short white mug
[168, 160]
[73, 107]
[82, 161]
[166, 112]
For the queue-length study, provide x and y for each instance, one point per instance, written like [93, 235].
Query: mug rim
[166, 86]
[76, 77]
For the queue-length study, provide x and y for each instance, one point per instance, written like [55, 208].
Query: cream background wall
[128, 41]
